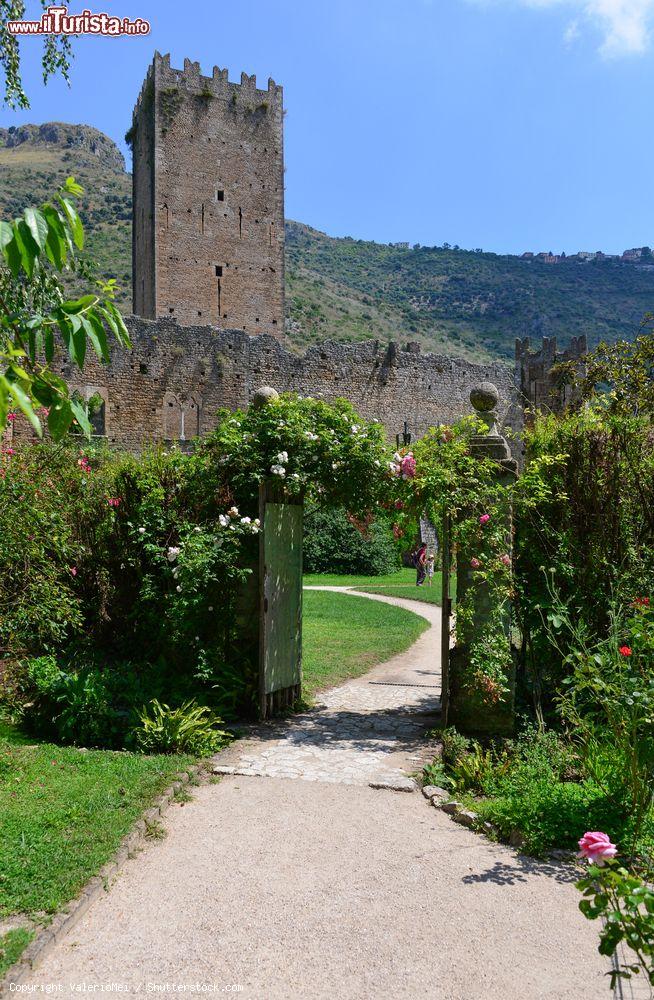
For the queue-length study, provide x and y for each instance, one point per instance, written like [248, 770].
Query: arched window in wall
[190, 418]
[172, 417]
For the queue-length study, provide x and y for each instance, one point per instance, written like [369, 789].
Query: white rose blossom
[282, 458]
[278, 470]
[233, 511]
[224, 520]
[172, 553]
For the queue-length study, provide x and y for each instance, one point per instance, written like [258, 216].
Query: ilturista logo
[57, 21]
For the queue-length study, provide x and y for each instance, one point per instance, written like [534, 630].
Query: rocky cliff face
[77, 138]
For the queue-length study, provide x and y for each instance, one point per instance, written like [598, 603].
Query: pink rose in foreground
[475, 563]
[596, 847]
[408, 466]
[484, 518]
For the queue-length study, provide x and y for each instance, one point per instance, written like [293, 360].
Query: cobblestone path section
[368, 731]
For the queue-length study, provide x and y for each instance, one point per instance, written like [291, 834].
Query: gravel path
[323, 888]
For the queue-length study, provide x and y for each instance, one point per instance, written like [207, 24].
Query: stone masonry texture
[208, 184]
[170, 386]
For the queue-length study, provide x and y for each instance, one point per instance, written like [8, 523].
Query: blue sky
[501, 124]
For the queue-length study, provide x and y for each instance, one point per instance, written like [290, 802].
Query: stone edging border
[64, 921]
[442, 800]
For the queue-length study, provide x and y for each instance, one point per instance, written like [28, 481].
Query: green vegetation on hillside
[462, 302]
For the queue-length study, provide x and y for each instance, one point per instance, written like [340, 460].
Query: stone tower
[208, 180]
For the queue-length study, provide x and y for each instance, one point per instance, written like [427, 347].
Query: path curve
[321, 888]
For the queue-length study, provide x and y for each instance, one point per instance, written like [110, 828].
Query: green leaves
[34, 314]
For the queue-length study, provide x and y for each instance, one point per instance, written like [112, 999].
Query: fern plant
[191, 728]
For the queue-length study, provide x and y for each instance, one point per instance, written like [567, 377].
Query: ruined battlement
[217, 85]
[537, 383]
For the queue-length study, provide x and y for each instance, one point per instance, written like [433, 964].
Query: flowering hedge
[131, 567]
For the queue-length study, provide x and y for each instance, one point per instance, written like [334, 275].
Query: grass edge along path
[401, 583]
[63, 814]
[345, 636]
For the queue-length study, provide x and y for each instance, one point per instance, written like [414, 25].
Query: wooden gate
[446, 616]
[280, 582]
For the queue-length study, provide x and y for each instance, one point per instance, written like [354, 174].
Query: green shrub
[334, 544]
[536, 788]
[191, 728]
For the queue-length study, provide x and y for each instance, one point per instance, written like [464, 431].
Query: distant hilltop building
[208, 181]
[638, 255]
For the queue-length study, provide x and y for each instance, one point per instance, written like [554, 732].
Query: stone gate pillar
[468, 709]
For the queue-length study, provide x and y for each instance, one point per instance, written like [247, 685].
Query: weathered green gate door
[280, 656]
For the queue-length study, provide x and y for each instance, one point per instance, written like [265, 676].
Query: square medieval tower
[208, 179]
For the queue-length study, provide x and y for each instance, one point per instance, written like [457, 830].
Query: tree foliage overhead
[38, 249]
[56, 58]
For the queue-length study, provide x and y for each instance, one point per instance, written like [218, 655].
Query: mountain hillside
[462, 302]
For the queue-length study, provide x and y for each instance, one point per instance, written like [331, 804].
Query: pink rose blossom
[11, 417]
[408, 466]
[596, 847]
[506, 559]
[484, 518]
[475, 563]
[73, 570]
[114, 501]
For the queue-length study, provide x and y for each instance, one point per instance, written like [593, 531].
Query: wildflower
[596, 847]
[640, 602]
[141, 531]
[506, 559]
[625, 651]
[173, 552]
[475, 563]
[278, 470]
[484, 519]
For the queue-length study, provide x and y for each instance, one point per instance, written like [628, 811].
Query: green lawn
[63, 813]
[345, 636]
[399, 584]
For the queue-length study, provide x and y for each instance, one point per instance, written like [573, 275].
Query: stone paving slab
[368, 731]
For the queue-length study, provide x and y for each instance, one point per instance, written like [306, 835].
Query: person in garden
[430, 568]
[420, 563]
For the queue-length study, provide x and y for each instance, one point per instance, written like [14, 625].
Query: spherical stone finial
[484, 396]
[266, 394]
